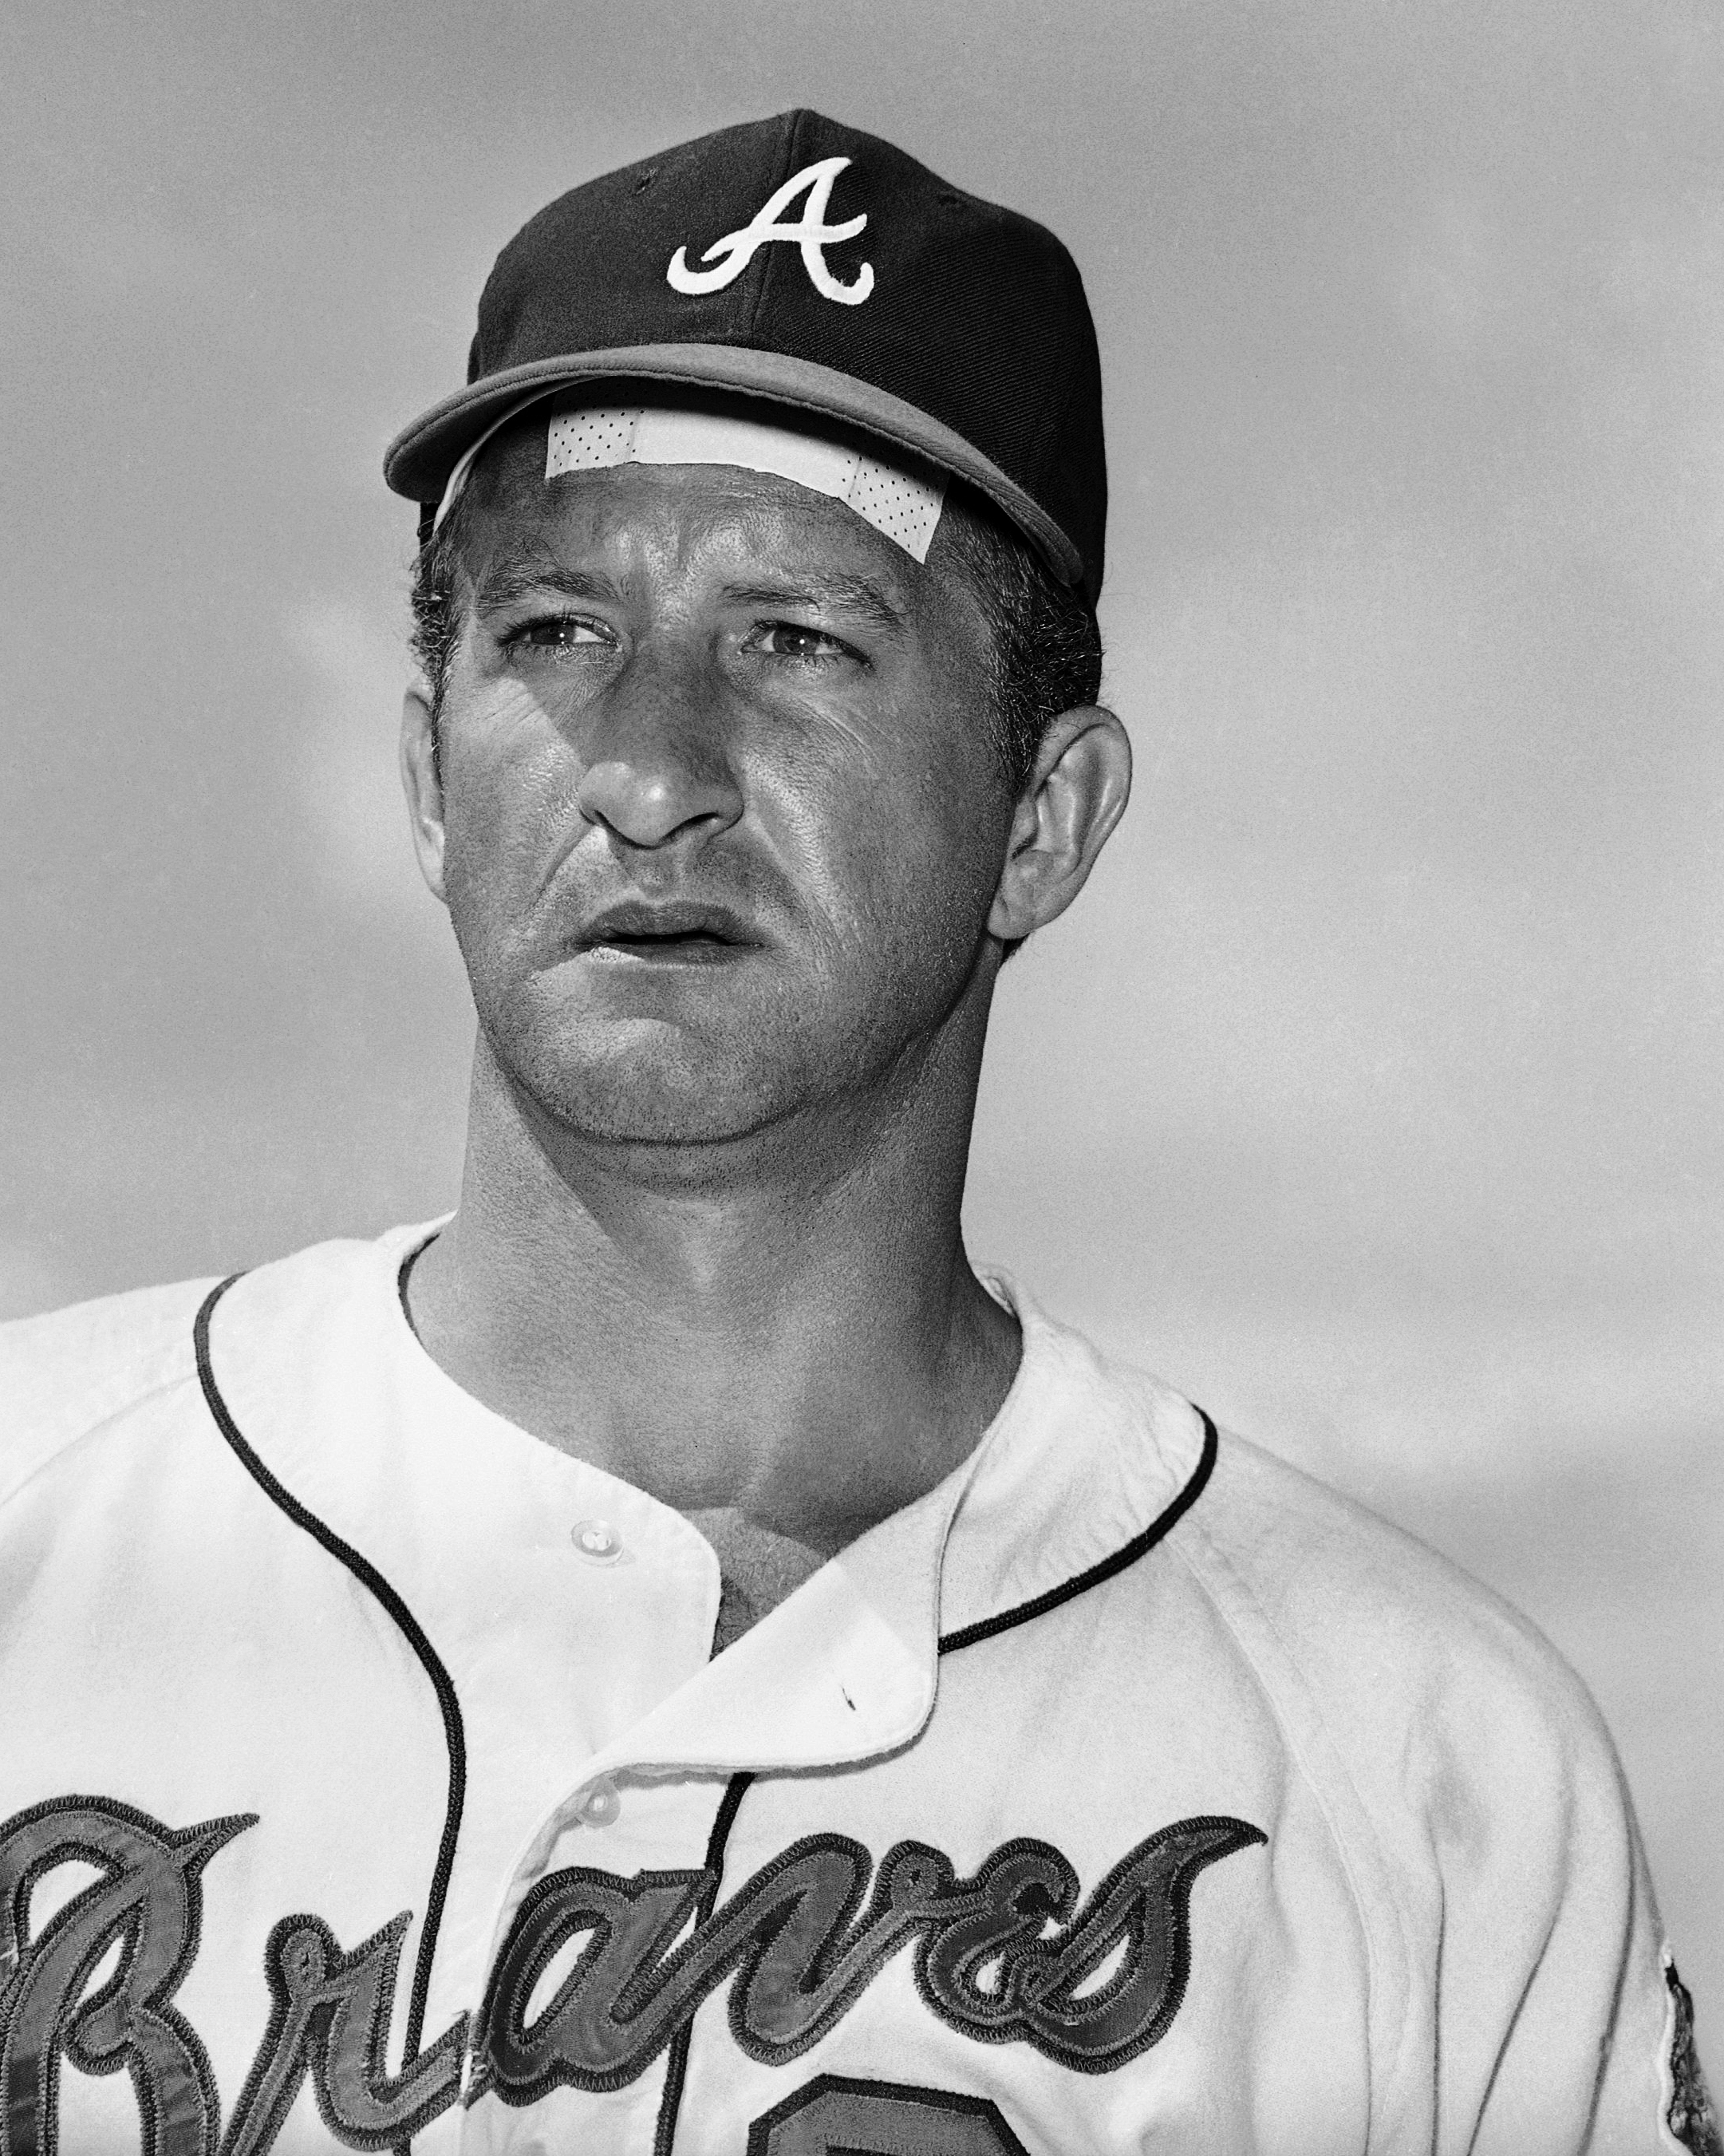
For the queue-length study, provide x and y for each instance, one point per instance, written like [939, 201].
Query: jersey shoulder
[68, 1371]
[1441, 1704]
[1373, 1619]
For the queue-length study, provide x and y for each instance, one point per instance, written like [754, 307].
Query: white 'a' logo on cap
[737, 249]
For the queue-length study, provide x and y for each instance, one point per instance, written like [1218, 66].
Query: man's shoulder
[1319, 1594]
[69, 1373]
[1336, 1579]
[1427, 1685]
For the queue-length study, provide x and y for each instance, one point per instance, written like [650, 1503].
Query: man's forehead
[696, 535]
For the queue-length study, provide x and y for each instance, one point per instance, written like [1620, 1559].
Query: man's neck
[783, 1355]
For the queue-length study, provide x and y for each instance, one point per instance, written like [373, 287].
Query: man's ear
[423, 785]
[1076, 793]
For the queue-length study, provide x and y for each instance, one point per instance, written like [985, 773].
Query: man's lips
[677, 932]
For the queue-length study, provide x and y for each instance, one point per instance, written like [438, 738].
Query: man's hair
[1044, 646]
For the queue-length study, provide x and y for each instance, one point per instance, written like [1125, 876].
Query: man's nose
[658, 766]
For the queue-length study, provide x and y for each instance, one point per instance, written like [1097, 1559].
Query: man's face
[722, 821]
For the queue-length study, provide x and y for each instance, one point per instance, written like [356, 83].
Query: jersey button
[598, 1803]
[596, 1540]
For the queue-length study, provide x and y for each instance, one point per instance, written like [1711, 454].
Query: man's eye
[551, 634]
[790, 639]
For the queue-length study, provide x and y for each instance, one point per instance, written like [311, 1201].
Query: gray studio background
[1371, 1095]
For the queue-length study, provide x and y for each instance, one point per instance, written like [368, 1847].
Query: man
[672, 1658]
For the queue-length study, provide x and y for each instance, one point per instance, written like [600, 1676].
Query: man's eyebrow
[523, 576]
[841, 593]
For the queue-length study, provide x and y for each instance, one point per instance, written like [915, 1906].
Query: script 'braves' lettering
[984, 1962]
[1007, 1955]
[330, 2020]
[146, 1898]
[732, 256]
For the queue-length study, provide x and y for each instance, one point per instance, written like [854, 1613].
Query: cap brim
[418, 463]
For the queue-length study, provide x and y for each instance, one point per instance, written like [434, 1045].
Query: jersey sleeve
[1556, 1934]
[1526, 2006]
[1651, 2093]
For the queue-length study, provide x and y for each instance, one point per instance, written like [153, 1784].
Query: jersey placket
[840, 1673]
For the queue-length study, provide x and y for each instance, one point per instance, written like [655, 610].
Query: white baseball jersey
[367, 1778]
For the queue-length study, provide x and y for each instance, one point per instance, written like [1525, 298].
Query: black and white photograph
[861, 1171]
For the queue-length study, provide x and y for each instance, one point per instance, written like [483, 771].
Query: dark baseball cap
[805, 263]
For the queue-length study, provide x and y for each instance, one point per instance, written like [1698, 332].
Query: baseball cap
[814, 268]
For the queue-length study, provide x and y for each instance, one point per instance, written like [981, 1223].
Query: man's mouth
[677, 933]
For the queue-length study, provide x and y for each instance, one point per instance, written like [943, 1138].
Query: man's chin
[644, 1082]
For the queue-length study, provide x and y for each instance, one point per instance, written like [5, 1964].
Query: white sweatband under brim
[902, 504]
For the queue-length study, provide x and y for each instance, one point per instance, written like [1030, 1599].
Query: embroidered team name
[147, 1902]
[1008, 1954]
[985, 1961]
[330, 2021]
[732, 256]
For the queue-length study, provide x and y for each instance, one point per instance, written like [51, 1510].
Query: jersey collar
[1081, 1470]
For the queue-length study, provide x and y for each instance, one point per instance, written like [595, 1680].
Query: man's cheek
[490, 892]
[506, 744]
[911, 863]
[502, 816]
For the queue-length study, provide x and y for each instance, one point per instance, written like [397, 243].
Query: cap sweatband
[901, 505]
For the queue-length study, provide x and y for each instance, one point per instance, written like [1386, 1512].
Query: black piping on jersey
[405, 1266]
[1128, 1553]
[676, 2066]
[967, 1636]
[365, 1573]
